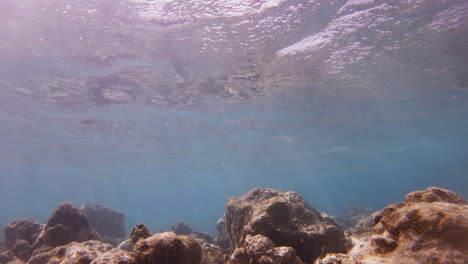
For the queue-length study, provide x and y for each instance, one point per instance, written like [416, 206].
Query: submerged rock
[212, 254]
[106, 221]
[67, 224]
[168, 248]
[20, 235]
[181, 228]
[27, 229]
[351, 216]
[430, 227]
[126, 245]
[115, 256]
[8, 257]
[140, 231]
[222, 237]
[286, 219]
[75, 252]
[79, 253]
[259, 249]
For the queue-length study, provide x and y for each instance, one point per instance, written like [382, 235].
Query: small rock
[168, 248]
[140, 231]
[126, 245]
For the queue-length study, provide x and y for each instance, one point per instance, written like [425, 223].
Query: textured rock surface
[107, 222]
[76, 252]
[22, 229]
[115, 256]
[259, 249]
[20, 235]
[79, 253]
[286, 219]
[351, 216]
[431, 227]
[8, 257]
[140, 231]
[212, 254]
[168, 248]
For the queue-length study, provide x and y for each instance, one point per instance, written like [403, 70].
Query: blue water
[346, 102]
[160, 165]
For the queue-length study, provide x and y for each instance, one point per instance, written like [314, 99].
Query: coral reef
[264, 226]
[430, 227]
[286, 219]
[168, 248]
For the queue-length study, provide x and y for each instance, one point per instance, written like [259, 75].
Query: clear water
[74, 128]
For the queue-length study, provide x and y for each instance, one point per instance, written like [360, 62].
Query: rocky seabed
[263, 226]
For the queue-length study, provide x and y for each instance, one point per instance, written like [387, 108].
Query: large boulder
[286, 219]
[168, 248]
[108, 222]
[430, 227]
[67, 224]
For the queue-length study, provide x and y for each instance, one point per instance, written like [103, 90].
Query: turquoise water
[160, 165]
[165, 109]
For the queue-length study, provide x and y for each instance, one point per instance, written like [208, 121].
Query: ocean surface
[165, 109]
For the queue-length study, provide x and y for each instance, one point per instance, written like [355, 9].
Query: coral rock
[8, 257]
[67, 224]
[20, 234]
[107, 222]
[181, 228]
[431, 227]
[286, 219]
[212, 254]
[79, 253]
[260, 250]
[434, 194]
[140, 231]
[168, 248]
[115, 256]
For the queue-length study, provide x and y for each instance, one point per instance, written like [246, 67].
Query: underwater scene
[233, 131]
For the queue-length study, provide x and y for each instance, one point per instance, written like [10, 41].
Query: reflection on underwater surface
[165, 109]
